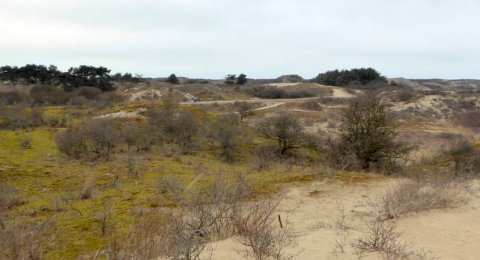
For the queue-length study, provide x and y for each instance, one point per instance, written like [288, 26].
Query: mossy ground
[49, 185]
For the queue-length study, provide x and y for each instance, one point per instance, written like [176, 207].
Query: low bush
[25, 241]
[276, 93]
[93, 140]
[416, 196]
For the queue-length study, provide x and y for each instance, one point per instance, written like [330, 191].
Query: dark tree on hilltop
[345, 78]
[172, 79]
[89, 76]
[230, 79]
[31, 74]
[242, 79]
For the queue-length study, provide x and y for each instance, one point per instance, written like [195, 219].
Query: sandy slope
[312, 211]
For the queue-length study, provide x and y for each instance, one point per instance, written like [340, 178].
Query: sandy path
[312, 212]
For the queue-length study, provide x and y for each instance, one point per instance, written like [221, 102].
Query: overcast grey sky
[262, 38]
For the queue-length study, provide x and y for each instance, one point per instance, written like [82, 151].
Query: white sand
[446, 234]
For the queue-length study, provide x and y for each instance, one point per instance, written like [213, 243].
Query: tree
[172, 79]
[287, 130]
[244, 109]
[368, 133]
[230, 79]
[242, 79]
[88, 76]
[362, 76]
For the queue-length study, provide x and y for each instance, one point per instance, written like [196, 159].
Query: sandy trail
[313, 210]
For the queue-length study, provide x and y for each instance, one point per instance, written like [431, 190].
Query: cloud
[263, 38]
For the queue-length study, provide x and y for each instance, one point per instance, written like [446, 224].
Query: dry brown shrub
[25, 241]
[416, 196]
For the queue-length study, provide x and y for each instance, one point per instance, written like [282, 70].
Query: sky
[261, 38]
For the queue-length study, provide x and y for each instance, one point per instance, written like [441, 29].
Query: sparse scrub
[93, 140]
[276, 93]
[21, 117]
[24, 241]
[381, 237]
[417, 196]
[470, 119]
[261, 232]
[462, 152]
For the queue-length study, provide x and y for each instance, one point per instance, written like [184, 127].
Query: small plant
[132, 166]
[381, 237]
[26, 142]
[88, 190]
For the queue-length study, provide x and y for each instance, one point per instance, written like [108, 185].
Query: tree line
[75, 77]
[347, 78]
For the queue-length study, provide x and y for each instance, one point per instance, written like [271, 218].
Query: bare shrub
[405, 95]
[88, 190]
[462, 153]
[416, 196]
[381, 237]
[260, 231]
[312, 104]
[93, 140]
[265, 156]
[244, 109]
[25, 241]
[12, 97]
[26, 142]
[48, 95]
[139, 137]
[176, 126]
[8, 197]
[227, 137]
[21, 117]
[470, 119]
[132, 163]
[369, 134]
[286, 130]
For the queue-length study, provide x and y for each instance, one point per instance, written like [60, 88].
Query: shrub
[12, 97]
[20, 117]
[244, 109]
[344, 78]
[26, 142]
[48, 95]
[172, 79]
[24, 241]
[464, 157]
[8, 198]
[276, 93]
[241, 79]
[226, 135]
[94, 140]
[416, 196]
[286, 130]
[368, 134]
[470, 119]
[88, 190]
